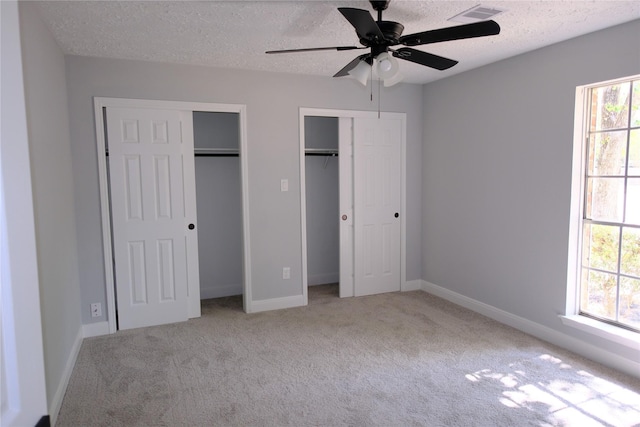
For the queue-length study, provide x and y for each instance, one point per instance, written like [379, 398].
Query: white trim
[603, 330]
[303, 206]
[22, 368]
[277, 303]
[411, 285]
[611, 82]
[56, 401]
[326, 112]
[545, 333]
[100, 103]
[576, 204]
[95, 329]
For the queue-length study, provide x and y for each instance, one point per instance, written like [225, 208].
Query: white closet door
[149, 208]
[377, 202]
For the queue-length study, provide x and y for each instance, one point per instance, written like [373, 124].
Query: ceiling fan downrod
[379, 6]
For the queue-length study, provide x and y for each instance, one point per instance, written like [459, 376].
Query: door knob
[396, 215]
[344, 217]
[191, 226]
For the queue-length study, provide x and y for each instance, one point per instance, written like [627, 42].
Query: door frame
[22, 361]
[100, 103]
[352, 114]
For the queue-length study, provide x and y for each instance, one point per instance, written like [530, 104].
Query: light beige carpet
[400, 359]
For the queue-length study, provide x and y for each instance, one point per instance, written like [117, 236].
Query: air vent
[476, 13]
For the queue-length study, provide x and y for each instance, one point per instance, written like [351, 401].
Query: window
[609, 258]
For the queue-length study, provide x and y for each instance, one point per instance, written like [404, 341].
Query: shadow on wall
[567, 396]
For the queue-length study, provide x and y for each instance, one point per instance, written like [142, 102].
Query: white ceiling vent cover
[476, 14]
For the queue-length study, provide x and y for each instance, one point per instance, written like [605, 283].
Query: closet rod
[322, 154]
[216, 152]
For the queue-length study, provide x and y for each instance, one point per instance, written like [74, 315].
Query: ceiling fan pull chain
[371, 79]
[379, 95]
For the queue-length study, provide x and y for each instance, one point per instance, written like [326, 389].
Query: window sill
[603, 330]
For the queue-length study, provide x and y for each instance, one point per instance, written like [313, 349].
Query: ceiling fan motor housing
[391, 31]
[380, 5]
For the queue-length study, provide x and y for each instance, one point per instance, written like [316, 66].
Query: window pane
[607, 153]
[605, 198]
[633, 201]
[610, 107]
[634, 153]
[601, 294]
[630, 301]
[630, 262]
[600, 247]
[635, 109]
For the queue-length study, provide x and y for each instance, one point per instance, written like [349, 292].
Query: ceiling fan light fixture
[387, 66]
[393, 80]
[361, 72]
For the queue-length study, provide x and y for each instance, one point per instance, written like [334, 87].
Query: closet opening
[219, 203]
[322, 191]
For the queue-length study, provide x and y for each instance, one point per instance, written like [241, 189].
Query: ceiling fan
[380, 36]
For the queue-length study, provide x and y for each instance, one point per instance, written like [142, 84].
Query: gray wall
[50, 150]
[219, 203]
[273, 102]
[322, 202]
[497, 165]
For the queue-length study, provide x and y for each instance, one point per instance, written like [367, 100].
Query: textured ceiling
[236, 34]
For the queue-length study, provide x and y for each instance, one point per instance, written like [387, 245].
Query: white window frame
[572, 316]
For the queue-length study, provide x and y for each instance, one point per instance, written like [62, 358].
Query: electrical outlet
[96, 309]
[286, 273]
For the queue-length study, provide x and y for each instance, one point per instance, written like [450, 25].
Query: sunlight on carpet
[570, 397]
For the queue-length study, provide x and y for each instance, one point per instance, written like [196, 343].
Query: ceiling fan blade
[424, 58]
[312, 49]
[351, 65]
[366, 27]
[467, 31]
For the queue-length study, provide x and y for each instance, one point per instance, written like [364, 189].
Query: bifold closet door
[377, 201]
[152, 188]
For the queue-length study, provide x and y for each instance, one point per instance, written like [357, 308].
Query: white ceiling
[235, 34]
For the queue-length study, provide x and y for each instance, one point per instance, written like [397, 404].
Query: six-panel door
[377, 202]
[148, 215]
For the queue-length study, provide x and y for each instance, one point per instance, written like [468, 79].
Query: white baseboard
[411, 285]
[56, 402]
[276, 304]
[545, 333]
[95, 329]
[220, 291]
